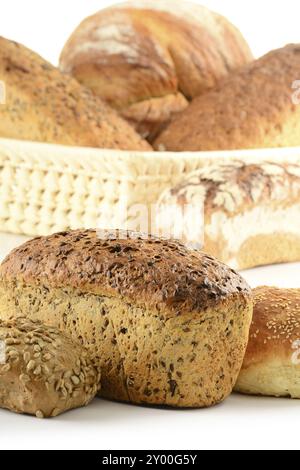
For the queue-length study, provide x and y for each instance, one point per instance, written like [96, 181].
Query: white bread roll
[271, 365]
[42, 104]
[251, 211]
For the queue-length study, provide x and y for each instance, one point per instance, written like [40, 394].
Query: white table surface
[239, 423]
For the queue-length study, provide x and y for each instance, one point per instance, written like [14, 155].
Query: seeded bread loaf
[148, 58]
[42, 104]
[44, 372]
[168, 325]
[272, 362]
[252, 108]
[251, 211]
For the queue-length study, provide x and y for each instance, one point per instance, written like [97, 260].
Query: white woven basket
[47, 188]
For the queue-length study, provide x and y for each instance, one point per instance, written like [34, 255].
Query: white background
[239, 423]
[45, 25]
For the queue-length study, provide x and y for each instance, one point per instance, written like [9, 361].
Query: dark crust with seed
[163, 275]
[275, 326]
[46, 105]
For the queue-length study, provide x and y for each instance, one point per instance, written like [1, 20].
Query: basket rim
[100, 152]
[125, 166]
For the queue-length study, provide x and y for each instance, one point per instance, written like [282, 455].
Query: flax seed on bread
[43, 104]
[167, 325]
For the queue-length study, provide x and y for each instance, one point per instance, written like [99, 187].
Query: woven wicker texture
[47, 188]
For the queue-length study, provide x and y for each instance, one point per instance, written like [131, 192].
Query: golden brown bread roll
[252, 108]
[251, 211]
[147, 58]
[44, 372]
[272, 362]
[42, 104]
[168, 325]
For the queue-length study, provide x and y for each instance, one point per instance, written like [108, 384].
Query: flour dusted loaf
[252, 108]
[168, 325]
[148, 58]
[42, 104]
[44, 372]
[272, 362]
[251, 211]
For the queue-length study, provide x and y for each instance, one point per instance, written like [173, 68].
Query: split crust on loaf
[148, 59]
[271, 365]
[251, 211]
[169, 326]
[44, 372]
[252, 108]
[45, 105]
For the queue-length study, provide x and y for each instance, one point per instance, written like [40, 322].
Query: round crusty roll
[272, 362]
[148, 58]
[43, 372]
[245, 211]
